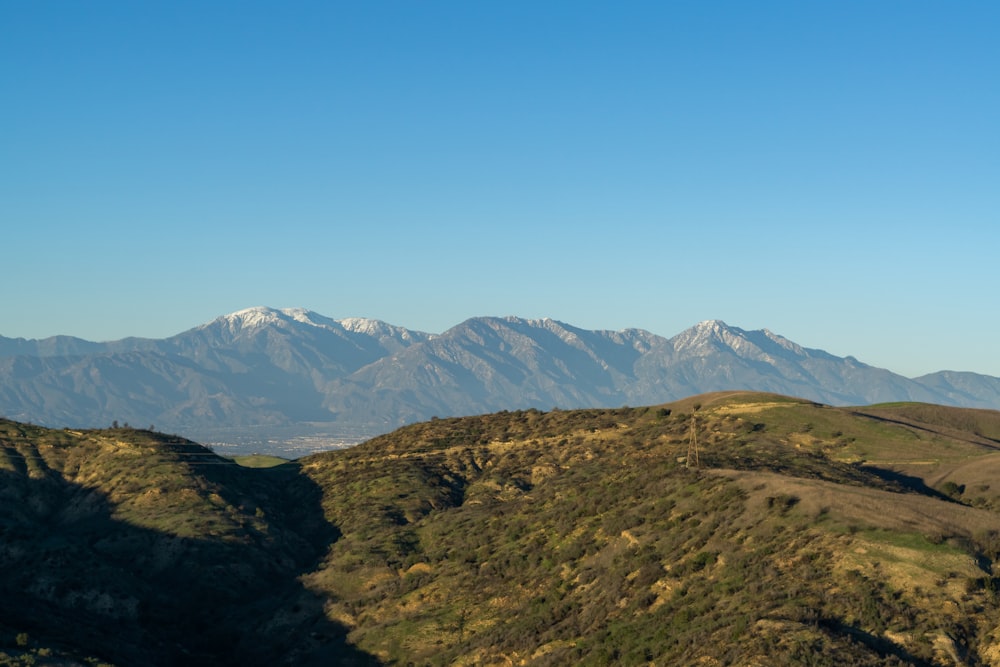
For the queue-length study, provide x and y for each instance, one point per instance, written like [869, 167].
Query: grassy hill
[731, 528]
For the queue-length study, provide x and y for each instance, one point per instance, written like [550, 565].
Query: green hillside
[725, 529]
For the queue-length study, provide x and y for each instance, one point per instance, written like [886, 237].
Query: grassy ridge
[576, 537]
[805, 534]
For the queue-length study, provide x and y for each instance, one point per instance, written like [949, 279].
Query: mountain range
[275, 372]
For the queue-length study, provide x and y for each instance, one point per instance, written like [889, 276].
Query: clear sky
[829, 170]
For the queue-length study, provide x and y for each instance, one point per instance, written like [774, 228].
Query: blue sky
[827, 170]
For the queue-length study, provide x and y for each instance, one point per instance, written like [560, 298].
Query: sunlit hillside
[724, 529]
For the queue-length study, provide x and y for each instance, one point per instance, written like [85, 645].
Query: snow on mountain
[709, 336]
[248, 318]
[380, 329]
[784, 342]
[712, 337]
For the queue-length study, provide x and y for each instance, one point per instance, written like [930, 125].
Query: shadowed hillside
[731, 528]
[132, 548]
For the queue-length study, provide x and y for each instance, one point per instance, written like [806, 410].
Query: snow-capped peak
[250, 318]
[711, 327]
[703, 331]
[705, 336]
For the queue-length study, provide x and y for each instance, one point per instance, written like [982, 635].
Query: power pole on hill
[692, 457]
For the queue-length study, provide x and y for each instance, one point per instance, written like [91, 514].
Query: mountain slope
[801, 534]
[138, 548]
[969, 389]
[491, 363]
[261, 370]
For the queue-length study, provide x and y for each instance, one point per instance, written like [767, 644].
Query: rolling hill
[728, 528]
[266, 376]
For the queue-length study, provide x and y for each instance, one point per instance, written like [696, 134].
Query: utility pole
[692, 457]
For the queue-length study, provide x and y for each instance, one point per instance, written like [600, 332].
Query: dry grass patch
[862, 507]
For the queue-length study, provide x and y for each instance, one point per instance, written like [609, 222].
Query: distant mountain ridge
[265, 367]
